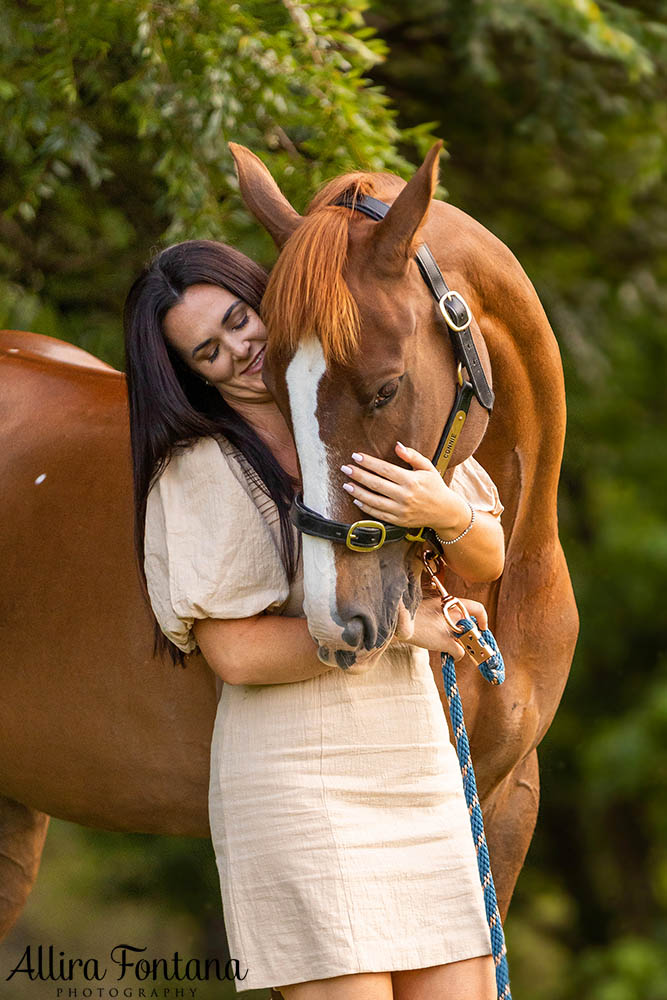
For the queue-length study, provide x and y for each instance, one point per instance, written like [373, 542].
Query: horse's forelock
[307, 293]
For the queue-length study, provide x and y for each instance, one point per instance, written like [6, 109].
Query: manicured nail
[401, 446]
[346, 469]
[358, 502]
[349, 487]
[357, 457]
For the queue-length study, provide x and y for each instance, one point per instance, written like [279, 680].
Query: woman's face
[221, 338]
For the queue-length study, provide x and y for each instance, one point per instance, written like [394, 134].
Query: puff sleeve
[474, 484]
[209, 552]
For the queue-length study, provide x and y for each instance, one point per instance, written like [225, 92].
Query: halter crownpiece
[453, 307]
[369, 535]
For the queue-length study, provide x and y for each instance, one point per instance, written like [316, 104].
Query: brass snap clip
[472, 641]
[449, 603]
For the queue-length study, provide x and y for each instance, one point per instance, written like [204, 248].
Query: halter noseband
[368, 535]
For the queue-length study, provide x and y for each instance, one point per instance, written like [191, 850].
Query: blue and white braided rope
[493, 670]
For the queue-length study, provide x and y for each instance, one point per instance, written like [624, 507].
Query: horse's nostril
[353, 633]
[360, 632]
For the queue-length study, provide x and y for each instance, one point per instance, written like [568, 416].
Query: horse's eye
[386, 393]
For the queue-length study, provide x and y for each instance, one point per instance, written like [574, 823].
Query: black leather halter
[368, 535]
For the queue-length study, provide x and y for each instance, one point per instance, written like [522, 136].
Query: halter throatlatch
[369, 535]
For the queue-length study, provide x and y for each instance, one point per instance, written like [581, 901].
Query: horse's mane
[307, 293]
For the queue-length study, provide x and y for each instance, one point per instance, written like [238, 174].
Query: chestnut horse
[347, 313]
[93, 728]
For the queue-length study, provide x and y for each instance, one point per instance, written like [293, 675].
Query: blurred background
[114, 119]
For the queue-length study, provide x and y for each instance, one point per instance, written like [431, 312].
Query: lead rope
[478, 644]
[494, 671]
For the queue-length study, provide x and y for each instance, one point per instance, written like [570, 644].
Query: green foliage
[114, 119]
[114, 123]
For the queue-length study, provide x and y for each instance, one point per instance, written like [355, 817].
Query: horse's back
[36, 345]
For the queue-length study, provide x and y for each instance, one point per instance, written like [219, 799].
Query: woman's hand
[419, 496]
[430, 629]
[410, 497]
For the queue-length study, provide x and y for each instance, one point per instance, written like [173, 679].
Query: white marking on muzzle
[303, 376]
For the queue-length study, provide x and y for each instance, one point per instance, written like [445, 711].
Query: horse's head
[358, 357]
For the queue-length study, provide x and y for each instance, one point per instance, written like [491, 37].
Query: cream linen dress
[336, 804]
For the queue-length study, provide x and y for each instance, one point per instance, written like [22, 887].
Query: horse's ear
[394, 235]
[263, 196]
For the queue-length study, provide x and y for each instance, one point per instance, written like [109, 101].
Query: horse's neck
[523, 445]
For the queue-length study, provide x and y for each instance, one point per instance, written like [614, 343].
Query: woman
[342, 839]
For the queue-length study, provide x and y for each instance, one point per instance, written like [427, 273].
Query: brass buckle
[365, 524]
[445, 315]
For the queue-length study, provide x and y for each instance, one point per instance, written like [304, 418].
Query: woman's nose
[238, 345]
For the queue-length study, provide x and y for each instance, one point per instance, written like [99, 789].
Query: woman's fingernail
[346, 469]
[358, 503]
[401, 445]
[349, 487]
[357, 457]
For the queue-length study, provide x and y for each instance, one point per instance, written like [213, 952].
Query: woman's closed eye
[239, 326]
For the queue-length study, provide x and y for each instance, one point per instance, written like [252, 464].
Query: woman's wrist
[460, 526]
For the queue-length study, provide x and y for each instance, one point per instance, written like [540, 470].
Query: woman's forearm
[479, 556]
[264, 649]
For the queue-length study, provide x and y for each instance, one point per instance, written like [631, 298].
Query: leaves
[131, 106]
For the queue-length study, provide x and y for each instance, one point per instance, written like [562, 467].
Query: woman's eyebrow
[235, 303]
[228, 313]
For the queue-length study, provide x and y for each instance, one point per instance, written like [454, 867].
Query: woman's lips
[256, 365]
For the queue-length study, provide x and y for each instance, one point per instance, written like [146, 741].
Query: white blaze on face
[303, 376]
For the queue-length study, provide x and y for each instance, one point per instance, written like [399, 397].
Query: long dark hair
[170, 404]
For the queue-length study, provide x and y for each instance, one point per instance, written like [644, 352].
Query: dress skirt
[340, 828]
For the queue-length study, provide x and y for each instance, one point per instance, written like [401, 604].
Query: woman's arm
[479, 556]
[419, 496]
[274, 649]
[262, 649]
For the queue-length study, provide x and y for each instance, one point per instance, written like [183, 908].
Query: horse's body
[531, 607]
[92, 728]
[96, 731]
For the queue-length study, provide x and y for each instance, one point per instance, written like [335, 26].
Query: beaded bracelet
[459, 537]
